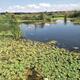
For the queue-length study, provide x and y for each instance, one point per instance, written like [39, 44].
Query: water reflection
[67, 35]
[40, 25]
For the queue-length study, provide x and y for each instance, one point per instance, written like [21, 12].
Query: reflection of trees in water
[39, 25]
[42, 25]
[65, 18]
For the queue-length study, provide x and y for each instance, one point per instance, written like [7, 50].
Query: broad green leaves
[54, 63]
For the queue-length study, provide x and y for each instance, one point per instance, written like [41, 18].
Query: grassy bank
[76, 20]
[52, 62]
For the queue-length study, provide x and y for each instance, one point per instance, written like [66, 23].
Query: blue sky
[38, 5]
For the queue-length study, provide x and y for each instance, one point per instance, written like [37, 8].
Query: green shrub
[13, 24]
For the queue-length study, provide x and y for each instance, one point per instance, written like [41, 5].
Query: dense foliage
[75, 14]
[52, 62]
[8, 22]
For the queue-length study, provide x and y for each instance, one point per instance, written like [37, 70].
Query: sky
[38, 5]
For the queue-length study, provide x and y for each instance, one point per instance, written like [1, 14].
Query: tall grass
[9, 23]
[13, 24]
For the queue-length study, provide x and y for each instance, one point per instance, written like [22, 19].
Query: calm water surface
[67, 35]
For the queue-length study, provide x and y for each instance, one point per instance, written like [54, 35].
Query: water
[67, 35]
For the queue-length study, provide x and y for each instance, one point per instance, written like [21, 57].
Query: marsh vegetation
[16, 54]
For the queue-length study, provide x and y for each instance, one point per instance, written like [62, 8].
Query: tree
[75, 14]
[42, 16]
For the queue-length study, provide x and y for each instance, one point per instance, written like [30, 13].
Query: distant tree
[75, 14]
[42, 16]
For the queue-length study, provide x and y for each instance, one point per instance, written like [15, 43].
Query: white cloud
[42, 7]
[65, 7]
[1, 10]
[46, 5]
[33, 6]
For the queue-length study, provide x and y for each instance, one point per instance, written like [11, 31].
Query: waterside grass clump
[51, 62]
[76, 20]
[9, 23]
